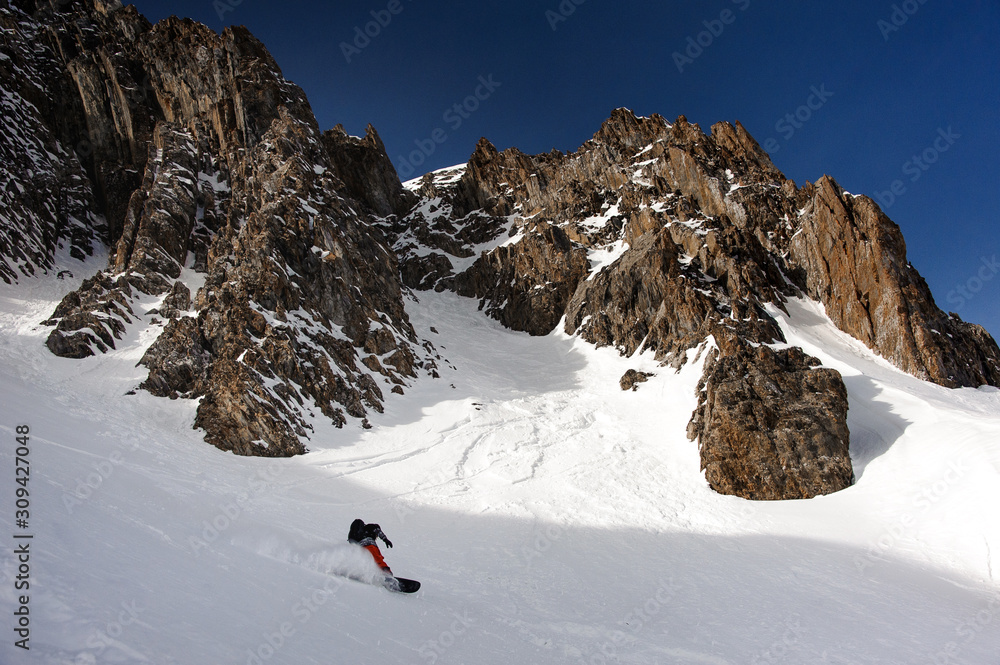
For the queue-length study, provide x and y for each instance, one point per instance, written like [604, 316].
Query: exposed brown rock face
[105, 109]
[698, 225]
[205, 160]
[644, 301]
[688, 236]
[855, 263]
[46, 200]
[91, 317]
[529, 282]
[301, 308]
[634, 190]
[632, 378]
[368, 175]
[770, 424]
[276, 256]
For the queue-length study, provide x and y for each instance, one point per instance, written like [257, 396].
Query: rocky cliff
[231, 220]
[654, 236]
[276, 257]
[771, 424]
[722, 228]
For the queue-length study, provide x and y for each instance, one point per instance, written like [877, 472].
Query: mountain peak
[216, 174]
[659, 238]
[269, 260]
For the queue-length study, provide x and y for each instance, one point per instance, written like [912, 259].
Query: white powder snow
[551, 517]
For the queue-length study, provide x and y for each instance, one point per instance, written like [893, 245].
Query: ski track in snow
[550, 516]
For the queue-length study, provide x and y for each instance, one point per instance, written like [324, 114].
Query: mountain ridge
[652, 236]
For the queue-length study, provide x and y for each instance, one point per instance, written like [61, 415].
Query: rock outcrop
[368, 175]
[276, 257]
[632, 378]
[690, 237]
[527, 282]
[770, 424]
[210, 170]
[854, 260]
[47, 204]
[689, 227]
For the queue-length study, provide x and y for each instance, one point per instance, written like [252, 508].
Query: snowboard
[401, 584]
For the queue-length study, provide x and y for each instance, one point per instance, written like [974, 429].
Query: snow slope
[551, 517]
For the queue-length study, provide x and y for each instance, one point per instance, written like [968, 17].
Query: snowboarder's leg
[377, 555]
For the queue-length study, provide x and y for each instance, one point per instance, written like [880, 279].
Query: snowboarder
[365, 535]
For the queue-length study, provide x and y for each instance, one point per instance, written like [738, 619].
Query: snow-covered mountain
[654, 236]
[551, 516]
[562, 384]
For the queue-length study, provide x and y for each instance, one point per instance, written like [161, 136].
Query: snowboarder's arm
[379, 534]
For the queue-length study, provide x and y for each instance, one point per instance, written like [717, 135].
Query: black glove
[375, 531]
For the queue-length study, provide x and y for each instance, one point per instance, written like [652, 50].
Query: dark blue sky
[895, 80]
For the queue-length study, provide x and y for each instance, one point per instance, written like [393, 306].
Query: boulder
[770, 424]
[632, 378]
